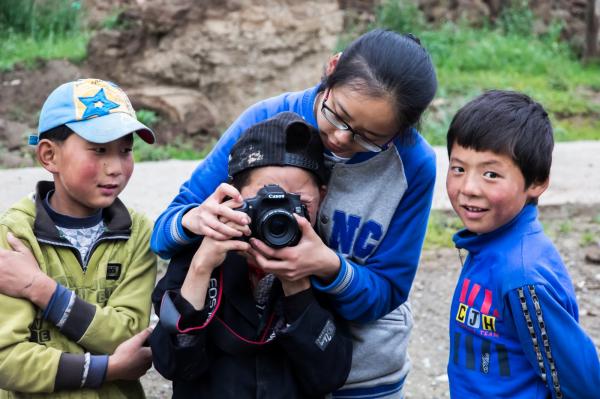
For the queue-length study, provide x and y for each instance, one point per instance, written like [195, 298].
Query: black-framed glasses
[340, 124]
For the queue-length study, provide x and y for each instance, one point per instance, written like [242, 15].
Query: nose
[470, 185]
[112, 166]
[343, 137]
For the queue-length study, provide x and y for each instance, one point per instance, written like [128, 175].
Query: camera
[271, 212]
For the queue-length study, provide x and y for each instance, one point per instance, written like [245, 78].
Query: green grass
[469, 60]
[143, 151]
[440, 229]
[587, 238]
[17, 48]
[565, 227]
[178, 149]
[508, 56]
[33, 29]
[147, 117]
[483, 59]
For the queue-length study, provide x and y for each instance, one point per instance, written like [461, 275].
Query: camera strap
[230, 341]
[271, 321]
[225, 335]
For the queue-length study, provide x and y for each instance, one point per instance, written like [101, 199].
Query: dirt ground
[573, 228]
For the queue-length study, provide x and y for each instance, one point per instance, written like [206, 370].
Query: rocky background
[198, 63]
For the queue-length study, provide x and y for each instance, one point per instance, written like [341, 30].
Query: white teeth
[473, 209]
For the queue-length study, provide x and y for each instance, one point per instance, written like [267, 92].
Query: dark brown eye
[491, 175]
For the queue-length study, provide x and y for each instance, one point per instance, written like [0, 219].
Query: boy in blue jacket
[514, 330]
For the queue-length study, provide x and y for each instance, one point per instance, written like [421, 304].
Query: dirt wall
[199, 63]
[230, 53]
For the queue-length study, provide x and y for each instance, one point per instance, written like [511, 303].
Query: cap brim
[111, 127]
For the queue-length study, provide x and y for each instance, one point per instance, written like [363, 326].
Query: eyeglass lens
[336, 121]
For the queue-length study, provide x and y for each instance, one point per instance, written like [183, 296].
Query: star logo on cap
[97, 105]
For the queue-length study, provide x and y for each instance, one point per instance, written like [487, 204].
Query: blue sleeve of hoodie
[168, 236]
[555, 344]
[367, 292]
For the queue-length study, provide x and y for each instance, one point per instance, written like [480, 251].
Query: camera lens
[278, 228]
[278, 225]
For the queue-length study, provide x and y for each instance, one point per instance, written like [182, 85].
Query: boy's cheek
[451, 191]
[128, 170]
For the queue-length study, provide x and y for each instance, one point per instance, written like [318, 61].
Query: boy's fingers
[262, 247]
[224, 229]
[237, 245]
[234, 216]
[304, 224]
[258, 257]
[16, 244]
[227, 190]
[215, 235]
[143, 335]
[226, 226]
[233, 203]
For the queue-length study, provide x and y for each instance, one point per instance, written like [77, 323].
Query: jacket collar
[116, 217]
[525, 222]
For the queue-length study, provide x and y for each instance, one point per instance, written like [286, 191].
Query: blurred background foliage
[506, 53]
[49, 29]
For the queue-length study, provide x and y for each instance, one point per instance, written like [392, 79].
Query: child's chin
[104, 202]
[477, 228]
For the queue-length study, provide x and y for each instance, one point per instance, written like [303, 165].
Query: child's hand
[212, 253]
[131, 359]
[210, 218]
[209, 255]
[309, 257]
[21, 276]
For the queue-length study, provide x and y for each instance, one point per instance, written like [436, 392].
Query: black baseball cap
[282, 140]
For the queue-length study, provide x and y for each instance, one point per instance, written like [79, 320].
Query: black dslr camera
[272, 216]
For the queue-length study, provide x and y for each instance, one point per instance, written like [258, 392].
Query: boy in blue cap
[514, 330]
[76, 266]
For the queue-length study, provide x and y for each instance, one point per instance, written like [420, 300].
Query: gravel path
[575, 179]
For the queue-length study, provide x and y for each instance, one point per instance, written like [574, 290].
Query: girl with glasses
[373, 219]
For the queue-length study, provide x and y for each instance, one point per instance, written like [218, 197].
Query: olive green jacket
[112, 303]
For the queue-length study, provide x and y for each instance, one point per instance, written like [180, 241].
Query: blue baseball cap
[97, 110]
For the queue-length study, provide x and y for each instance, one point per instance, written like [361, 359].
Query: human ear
[47, 155]
[322, 193]
[536, 189]
[332, 63]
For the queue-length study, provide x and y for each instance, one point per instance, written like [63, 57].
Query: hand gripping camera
[271, 212]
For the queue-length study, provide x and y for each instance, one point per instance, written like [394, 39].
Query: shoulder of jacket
[141, 225]
[20, 215]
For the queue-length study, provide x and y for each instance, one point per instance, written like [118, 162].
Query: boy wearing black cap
[227, 330]
[75, 263]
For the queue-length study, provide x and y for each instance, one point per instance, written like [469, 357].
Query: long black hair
[383, 63]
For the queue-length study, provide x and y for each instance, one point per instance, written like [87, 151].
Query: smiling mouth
[108, 186]
[473, 208]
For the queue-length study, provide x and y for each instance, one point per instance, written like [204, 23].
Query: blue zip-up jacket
[374, 216]
[514, 330]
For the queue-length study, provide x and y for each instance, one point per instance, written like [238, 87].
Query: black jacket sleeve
[319, 348]
[175, 355]
[178, 356]
[175, 275]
